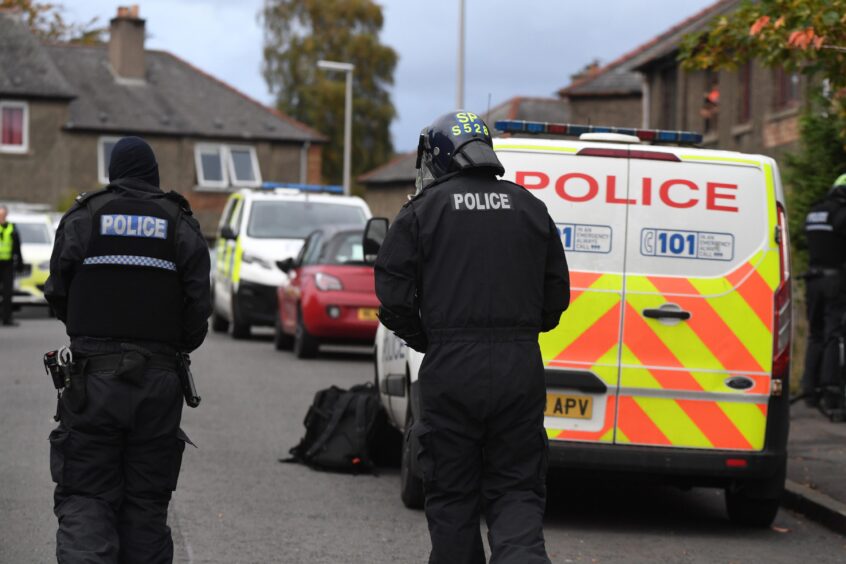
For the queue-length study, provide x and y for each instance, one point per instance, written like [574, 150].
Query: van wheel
[305, 346]
[281, 340]
[219, 323]
[750, 511]
[240, 328]
[411, 486]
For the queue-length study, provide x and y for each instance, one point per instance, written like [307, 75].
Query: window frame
[24, 146]
[785, 96]
[102, 166]
[221, 150]
[233, 179]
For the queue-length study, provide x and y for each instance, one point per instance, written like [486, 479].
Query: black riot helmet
[455, 141]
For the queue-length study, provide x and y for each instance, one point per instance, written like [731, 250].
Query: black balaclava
[132, 157]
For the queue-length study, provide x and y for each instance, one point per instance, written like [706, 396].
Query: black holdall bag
[341, 426]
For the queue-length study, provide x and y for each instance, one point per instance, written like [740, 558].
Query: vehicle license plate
[367, 313]
[572, 407]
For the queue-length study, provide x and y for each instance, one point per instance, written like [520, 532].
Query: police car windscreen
[33, 233]
[296, 220]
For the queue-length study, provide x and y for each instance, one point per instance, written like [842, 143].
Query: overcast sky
[514, 47]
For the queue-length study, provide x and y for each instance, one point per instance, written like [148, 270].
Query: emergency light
[316, 188]
[573, 130]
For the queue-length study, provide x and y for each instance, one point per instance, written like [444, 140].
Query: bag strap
[337, 413]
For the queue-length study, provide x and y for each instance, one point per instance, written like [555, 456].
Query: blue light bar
[573, 130]
[316, 188]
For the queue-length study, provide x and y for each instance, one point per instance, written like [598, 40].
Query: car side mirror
[226, 232]
[286, 265]
[374, 235]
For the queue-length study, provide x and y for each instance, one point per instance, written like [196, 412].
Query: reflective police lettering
[119, 225]
[481, 202]
[679, 193]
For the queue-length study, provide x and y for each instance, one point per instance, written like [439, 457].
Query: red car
[330, 295]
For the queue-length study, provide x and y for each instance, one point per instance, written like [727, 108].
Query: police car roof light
[574, 130]
[316, 188]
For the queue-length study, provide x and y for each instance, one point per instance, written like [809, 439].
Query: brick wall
[619, 111]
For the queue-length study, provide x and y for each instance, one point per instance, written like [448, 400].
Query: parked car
[259, 228]
[36, 233]
[329, 296]
[674, 357]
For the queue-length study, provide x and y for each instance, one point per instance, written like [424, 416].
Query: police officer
[825, 231]
[11, 261]
[470, 272]
[129, 277]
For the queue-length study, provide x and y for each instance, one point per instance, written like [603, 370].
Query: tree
[46, 21]
[298, 33]
[804, 35]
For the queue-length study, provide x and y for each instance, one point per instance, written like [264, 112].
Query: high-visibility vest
[6, 242]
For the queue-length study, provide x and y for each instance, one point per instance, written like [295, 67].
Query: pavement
[815, 469]
[236, 504]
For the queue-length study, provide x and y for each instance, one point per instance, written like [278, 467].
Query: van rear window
[296, 220]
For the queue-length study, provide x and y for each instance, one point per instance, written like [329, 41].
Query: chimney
[126, 43]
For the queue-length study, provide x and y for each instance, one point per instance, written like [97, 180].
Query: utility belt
[815, 273]
[70, 372]
[492, 334]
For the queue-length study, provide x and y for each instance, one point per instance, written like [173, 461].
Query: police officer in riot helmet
[825, 231]
[129, 277]
[471, 271]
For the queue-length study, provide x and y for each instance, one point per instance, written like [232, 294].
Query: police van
[259, 228]
[673, 358]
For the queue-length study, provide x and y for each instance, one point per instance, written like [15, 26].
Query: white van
[673, 358]
[259, 228]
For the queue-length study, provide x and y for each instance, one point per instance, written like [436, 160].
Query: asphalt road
[237, 504]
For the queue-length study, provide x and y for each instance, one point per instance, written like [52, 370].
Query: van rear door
[702, 268]
[581, 355]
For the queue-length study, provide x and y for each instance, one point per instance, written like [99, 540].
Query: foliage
[810, 172]
[45, 19]
[805, 35]
[298, 33]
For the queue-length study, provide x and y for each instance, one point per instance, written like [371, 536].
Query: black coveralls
[470, 272]
[825, 230]
[7, 277]
[116, 460]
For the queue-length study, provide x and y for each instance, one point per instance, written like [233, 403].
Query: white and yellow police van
[259, 228]
[673, 358]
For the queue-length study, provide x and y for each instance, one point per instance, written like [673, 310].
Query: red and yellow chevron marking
[729, 333]
[588, 339]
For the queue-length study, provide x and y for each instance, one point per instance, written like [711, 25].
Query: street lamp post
[347, 68]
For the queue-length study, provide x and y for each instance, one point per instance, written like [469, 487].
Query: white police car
[258, 229]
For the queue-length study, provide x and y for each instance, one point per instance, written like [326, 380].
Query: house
[63, 107]
[754, 109]
[388, 187]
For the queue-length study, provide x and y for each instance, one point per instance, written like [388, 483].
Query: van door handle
[666, 313]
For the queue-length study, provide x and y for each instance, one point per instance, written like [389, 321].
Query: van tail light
[782, 326]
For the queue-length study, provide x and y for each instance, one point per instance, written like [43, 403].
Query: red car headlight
[326, 282]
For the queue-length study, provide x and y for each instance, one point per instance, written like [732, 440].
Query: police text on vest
[146, 226]
[481, 202]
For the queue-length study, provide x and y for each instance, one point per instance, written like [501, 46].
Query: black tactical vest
[128, 287]
[826, 246]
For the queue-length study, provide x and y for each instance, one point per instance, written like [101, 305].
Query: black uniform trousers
[826, 307]
[483, 447]
[7, 282]
[115, 463]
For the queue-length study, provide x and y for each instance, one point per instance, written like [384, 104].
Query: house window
[14, 127]
[222, 166]
[744, 93]
[785, 89]
[105, 145]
